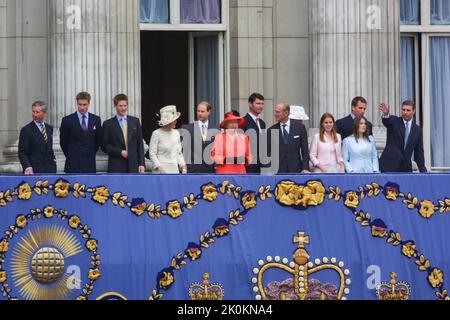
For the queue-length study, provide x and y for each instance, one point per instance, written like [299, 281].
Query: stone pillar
[23, 71]
[251, 53]
[94, 46]
[354, 51]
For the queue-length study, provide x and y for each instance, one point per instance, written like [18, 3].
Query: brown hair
[322, 129]
[120, 97]
[207, 104]
[409, 103]
[84, 96]
[356, 124]
[357, 100]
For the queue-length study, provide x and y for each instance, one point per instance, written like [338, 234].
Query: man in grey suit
[123, 141]
[293, 142]
[201, 134]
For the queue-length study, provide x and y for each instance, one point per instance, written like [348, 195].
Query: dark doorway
[165, 76]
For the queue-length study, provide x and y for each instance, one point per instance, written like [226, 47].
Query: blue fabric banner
[245, 237]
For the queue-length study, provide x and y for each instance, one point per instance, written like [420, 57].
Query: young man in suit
[403, 138]
[80, 137]
[123, 141]
[293, 142]
[201, 135]
[36, 143]
[345, 125]
[255, 126]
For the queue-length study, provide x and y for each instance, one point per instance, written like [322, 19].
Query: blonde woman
[166, 152]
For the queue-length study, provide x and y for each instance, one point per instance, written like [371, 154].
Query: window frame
[176, 25]
[424, 31]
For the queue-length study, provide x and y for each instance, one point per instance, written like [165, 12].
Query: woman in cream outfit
[326, 152]
[166, 152]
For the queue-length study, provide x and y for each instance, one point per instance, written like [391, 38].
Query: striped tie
[44, 132]
[125, 132]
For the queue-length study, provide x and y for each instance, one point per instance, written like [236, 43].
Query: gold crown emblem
[301, 269]
[206, 291]
[394, 290]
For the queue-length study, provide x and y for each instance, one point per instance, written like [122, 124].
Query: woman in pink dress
[326, 150]
[231, 152]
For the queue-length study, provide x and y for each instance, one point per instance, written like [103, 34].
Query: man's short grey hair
[40, 104]
[286, 107]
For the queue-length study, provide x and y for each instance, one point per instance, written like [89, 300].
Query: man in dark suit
[403, 138]
[123, 141]
[80, 137]
[254, 128]
[201, 135]
[36, 143]
[293, 142]
[345, 125]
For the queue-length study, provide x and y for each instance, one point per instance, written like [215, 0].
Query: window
[195, 15]
[425, 73]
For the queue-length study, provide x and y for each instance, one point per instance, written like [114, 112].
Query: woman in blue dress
[359, 150]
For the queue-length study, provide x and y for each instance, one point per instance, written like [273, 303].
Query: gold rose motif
[409, 250]
[249, 200]
[288, 193]
[391, 193]
[210, 193]
[4, 246]
[25, 192]
[21, 221]
[74, 222]
[167, 280]
[92, 245]
[222, 230]
[62, 189]
[94, 274]
[351, 200]
[3, 276]
[427, 209]
[436, 278]
[101, 195]
[139, 209]
[174, 209]
[315, 193]
[49, 212]
[376, 232]
[194, 253]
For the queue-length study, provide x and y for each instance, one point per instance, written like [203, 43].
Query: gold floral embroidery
[24, 192]
[210, 192]
[21, 221]
[249, 201]
[427, 209]
[174, 209]
[3, 276]
[92, 245]
[62, 189]
[167, 280]
[49, 212]
[94, 274]
[101, 195]
[409, 250]
[74, 222]
[315, 193]
[351, 199]
[436, 278]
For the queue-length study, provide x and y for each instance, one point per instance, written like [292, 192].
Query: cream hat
[298, 113]
[168, 115]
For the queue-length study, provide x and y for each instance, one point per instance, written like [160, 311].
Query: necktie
[44, 132]
[204, 133]
[407, 132]
[83, 124]
[285, 134]
[125, 132]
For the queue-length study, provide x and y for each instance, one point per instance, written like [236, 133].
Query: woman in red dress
[231, 151]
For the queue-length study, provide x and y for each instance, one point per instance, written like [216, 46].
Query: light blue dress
[361, 156]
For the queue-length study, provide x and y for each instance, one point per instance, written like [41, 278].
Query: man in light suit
[202, 134]
[123, 141]
[254, 122]
[80, 137]
[36, 143]
[404, 138]
[344, 126]
[293, 142]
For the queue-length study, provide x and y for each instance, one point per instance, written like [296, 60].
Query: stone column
[251, 56]
[23, 71]
[94, 46]
[354, 51]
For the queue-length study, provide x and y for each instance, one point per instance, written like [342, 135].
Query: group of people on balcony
[241, 145]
